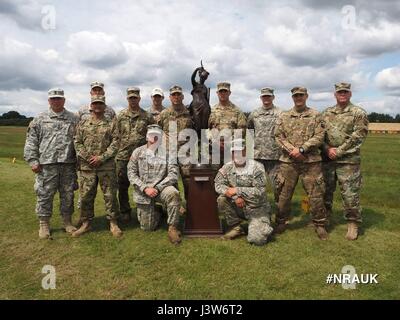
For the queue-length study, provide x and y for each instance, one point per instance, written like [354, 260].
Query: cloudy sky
[251, 44]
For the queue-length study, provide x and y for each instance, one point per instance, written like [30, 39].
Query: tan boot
[321, 232]
[44, 228]
[233, 233]
[85, 227]
[115, 230]
[352, 231]
[69, 228]
[174, 235]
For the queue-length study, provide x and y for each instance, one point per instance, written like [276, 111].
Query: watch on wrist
[301, 149]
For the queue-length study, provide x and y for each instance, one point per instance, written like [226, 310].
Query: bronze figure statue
[200, 106]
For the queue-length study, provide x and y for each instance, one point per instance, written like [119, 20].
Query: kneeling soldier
[96, 144]
[153, 179]
[241, 188]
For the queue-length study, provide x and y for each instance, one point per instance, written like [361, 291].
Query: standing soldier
[49, 150]
[153, 178]
[266, 150]
[96, 144]
[132, 126]
[157, 97]
[346, 130]
[96, 89]
[179, 115]
[241, 188]
[225, 115]
[300, 133]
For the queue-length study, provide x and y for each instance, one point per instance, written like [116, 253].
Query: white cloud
[389, 80]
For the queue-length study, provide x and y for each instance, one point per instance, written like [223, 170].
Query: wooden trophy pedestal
[202, 212]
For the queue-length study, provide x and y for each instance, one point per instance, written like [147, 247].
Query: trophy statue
[202, 217]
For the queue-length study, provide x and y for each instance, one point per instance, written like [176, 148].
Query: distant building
[390, 128]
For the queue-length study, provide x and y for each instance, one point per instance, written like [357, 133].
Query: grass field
[145, 266]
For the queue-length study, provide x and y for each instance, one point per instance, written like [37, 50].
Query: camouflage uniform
[151, 169]
[266, 150]
[183, 121]
[156, 113]
[84, 112]
[301, 129]
[49, 142]
[250, 182]
[226, 117]
[346, 130]
[132, 127]
[100, 138]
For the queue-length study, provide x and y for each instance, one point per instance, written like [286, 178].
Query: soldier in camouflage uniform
[266, 150]
[96, 89]
[157, 97]
[132, 127]
[96, 144]
[153, 179]
[49, 150]
[179, 115]
[346, 130]
[241, 188]
[225, 115]
[300, 132]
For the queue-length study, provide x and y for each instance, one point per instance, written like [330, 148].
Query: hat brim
[297, 92]
[218, 90]
[342, 89]
[97, 86]
[133, 95]
[266, 94]
[101, 101]
[56, 96]
[157, 94]
[175, 91]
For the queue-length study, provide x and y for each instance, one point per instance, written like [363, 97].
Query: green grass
[145, 266]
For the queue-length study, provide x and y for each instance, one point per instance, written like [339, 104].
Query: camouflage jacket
[346, 130]
[263, 121]
[249, 181]
[300, 129]
[182, 118]
[150, 169]
[50, 138]
[226, 117]
[99, 138]
[132, 128]
[155, 113]
[84, 112]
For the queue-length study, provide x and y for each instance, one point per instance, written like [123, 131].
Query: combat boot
[352, 231]
[115, 230]
[280, 228]
[85, 227]
[174, 235]
[321, 232]
[44, 228]
[235, 232]
[125, 218]
[68, 227]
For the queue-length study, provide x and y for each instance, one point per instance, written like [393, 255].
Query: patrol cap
[300, 90]
[157, 91]
[174, 89]
[223, 86]
[267, 92]
[342, 86]
[154, 129]
[238, 145]
[98, 84]
[98, 98]
[133, 92]
[56, 93]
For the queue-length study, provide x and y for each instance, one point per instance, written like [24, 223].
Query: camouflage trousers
[59, 177]
[258, 218]
[313, 184]
[272, 170]
[350, 181]
[88, 189]
[148, 215]
[184, 171]
[123, 186]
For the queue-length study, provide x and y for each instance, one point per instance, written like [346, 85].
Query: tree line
[14, 118]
